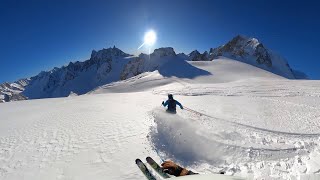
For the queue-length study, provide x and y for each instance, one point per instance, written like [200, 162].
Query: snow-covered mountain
[237, 118]
[112, 64]
[165, 61]
[103, 67]
[251, 51]
[12, 91]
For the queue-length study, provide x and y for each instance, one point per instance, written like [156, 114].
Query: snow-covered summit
[162, 52]
[241, 47]
[251, 51]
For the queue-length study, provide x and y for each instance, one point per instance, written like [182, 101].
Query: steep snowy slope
[251, 51]
[221, 70]
[253, 124]
[103, 67]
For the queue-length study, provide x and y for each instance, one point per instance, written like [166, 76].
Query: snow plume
[214, 144]
[180, 138]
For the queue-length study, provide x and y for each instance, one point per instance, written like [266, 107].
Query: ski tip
[149, 160]
[138, 161]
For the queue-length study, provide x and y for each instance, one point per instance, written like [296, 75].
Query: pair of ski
[154, 165]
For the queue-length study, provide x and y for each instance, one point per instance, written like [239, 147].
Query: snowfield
[240, 119]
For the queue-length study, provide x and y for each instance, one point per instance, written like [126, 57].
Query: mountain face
[197, 56]
[112, 64]
[251, 51]
[166, 61]
[12, 91]
[145, 63]
[79, 77]
[300, 75]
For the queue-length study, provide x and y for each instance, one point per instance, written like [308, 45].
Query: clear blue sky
[38, 35]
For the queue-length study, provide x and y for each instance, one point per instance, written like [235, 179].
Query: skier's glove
[162, 102]
[173, 169]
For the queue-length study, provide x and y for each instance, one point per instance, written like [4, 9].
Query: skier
[174, 169]
[171, 103]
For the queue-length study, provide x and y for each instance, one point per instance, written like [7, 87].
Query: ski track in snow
[231, 147]
[259, 152]
[259, 128]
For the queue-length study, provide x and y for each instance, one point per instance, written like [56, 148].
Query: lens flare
[150, 38]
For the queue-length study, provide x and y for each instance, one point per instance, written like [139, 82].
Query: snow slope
[239, 118]
[221, 70]
[251, 51]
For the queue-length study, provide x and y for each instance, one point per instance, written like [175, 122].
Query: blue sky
[38, 35]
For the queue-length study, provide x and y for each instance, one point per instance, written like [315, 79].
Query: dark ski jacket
[171, 103]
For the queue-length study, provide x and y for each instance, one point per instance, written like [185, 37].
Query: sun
[150, 38]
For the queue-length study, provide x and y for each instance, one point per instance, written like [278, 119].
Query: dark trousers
[171, 111]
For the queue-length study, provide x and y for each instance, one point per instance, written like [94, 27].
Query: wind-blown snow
[239, 118]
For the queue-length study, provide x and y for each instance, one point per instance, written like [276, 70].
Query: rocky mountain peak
[241, 47]
[194, 52]
[251, 51]
[11, 92]
[108, 53]
[162, 52]
[197, 56]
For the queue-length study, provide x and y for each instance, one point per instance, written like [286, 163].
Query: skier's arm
[165, 104]
[179, 104]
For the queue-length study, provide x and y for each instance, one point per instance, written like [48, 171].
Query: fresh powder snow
[237, 118]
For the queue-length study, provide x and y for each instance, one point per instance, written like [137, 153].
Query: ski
[157, 168]
[144, 170]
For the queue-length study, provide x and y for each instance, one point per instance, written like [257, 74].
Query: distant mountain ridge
[79, 77]
[112, 64]
[253, 52]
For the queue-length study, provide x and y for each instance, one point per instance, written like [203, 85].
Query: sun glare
[150, 38]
